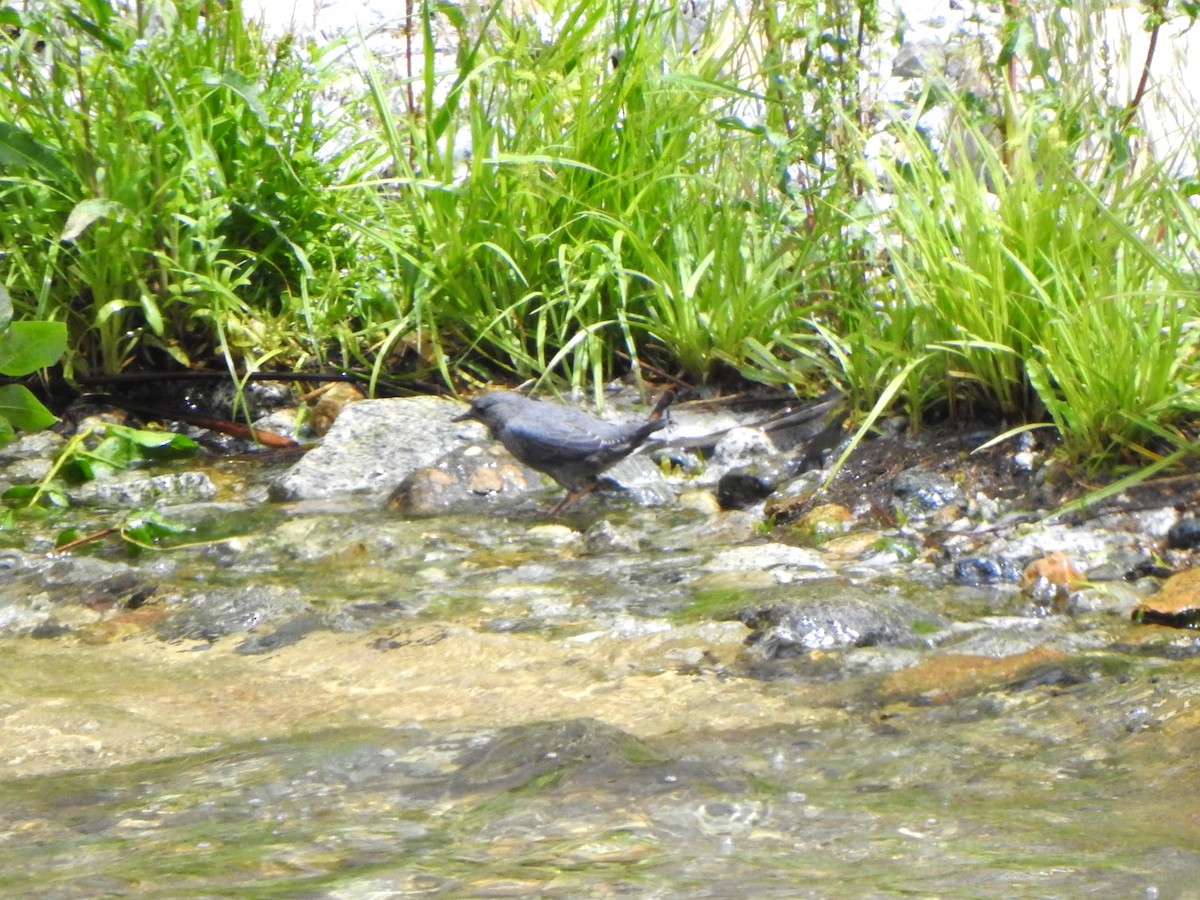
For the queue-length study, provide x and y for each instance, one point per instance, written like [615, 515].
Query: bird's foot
[571, 499]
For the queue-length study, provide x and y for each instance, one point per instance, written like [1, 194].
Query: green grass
[180, 190]
[602, 210]
[1065, 293]
[161, 189]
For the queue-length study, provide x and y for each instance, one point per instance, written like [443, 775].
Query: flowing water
[339, 702]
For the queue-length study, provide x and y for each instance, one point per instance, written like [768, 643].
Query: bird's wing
[568, 437]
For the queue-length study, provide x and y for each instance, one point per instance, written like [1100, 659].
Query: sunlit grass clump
[1035, 278]
[566, 200]
[160, 188]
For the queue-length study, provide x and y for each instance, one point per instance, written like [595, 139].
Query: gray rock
[209, 615]
[831, 619]
[919, 59]
[741, 447]
[374, 445]
[921, 494]
[1091, 546]
[28, 458]
[465, 479]
[639, 478]
[135, 490]
[745, 486]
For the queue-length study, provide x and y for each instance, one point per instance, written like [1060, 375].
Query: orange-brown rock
[1176, 604]
[1055, 568]
[938, 679]
[823, 522]
[325, 403]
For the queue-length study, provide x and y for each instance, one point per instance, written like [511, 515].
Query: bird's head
[493, 409]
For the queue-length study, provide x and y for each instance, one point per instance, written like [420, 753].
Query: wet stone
[977, 570]
[1007, 636]
[469, 477]
[638, 478]
[784, 562]
[920, 494]
[834, 618]
[741, 447]
[1091, 546]
[821, 523]
[28, 458]
[290, 632]
[210, 615]
[37, 592]
[605, 537]
[1177, 604]
[939, 679]
[747, 485]
[792, 499]
[134, 490]
[1184, 534]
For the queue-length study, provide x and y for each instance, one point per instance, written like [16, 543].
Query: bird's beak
[469, 414]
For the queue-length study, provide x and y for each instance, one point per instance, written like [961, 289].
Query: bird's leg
[572, 498]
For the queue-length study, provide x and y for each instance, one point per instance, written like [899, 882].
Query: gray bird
[569, 445]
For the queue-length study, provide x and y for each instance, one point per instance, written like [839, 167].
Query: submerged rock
[50, 595]
[977, 570]
[832, 619]
[133, 490]
[209, 615]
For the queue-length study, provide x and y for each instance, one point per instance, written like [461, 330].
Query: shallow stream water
[340, 702]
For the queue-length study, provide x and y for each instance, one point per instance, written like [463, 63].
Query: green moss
[712, 605]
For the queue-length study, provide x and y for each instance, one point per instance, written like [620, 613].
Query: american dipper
[569, 445]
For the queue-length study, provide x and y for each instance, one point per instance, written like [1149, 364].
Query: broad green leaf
[243, 87]
[28, 346]
[6, 310]
[6, 431]
[112, 453]
[24, 493]
[152, 439]
[145, 526]
[153, 314]
[23, 410]
[20, 148]
[85, 213]
[66, 536]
